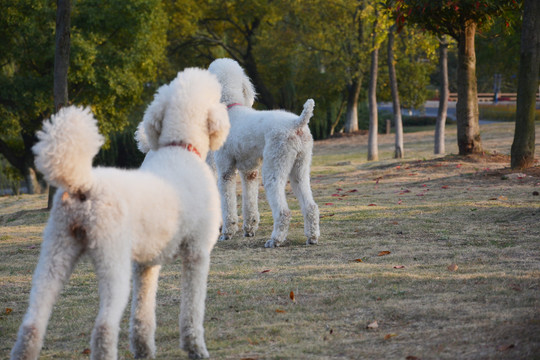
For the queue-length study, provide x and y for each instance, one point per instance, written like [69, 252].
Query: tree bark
[61, 63]
[340, 111]
[351, 116]
[373, 149]
[522, 152]
[443, 98]
[32, 184]
[264, 96]
[396, 106]
[468, 132]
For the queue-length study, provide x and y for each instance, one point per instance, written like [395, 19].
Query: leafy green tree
[459, 19]
[338, 33]
[116, 49]
[231, 29]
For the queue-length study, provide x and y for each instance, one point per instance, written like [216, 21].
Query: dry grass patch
[442, 252]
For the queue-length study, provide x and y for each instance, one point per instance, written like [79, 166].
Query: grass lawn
[421, 258]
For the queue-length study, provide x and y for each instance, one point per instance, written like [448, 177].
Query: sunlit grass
[501, 112]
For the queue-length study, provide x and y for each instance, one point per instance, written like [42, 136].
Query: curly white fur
[278, 139]
[129, 222]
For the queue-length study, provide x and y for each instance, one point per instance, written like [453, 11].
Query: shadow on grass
[25, 217]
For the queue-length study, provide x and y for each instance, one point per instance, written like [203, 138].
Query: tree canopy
[292, 50]
[116, 49]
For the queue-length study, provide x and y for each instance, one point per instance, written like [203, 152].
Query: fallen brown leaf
[265, 271]
[382, 253]
[86, 351]
[373, 325]
[280, 311]
[399, 267]
[291, 295]
[326, 215]
[505, 347]
[388, 336]
[410, 357]
[452, 267]
[8, 311]
[357, 260]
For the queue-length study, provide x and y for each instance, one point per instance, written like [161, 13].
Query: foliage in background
[121, 51]
[117, 48]
[416, 59]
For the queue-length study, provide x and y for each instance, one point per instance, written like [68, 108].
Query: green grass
[501, 112]
[428, 211]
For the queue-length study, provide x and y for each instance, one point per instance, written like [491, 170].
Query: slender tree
[443, 97]
[373, 151]
[396, 106]
[61, 63]
[522, 152]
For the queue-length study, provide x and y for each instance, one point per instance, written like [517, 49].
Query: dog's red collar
[188, 147]
[231, 105]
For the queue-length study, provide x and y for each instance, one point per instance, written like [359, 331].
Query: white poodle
[281, 141]
[129, 222]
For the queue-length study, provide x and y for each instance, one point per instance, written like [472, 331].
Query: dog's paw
[273, 243]
[224, 237]
[312, 241]
[195, 349]
[249, 233]
[201, 354]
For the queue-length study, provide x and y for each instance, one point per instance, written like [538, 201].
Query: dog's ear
[142, 138]
[153, 118]
[248, 91]
[218, 125]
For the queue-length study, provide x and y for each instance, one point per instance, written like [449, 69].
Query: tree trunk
[396, 106]
[333, 127]
[522, 153]
[264, 96]
[468, 132]
[351, 116]
[32, 184]
[373, 150]
[61, 63]
[443, 97]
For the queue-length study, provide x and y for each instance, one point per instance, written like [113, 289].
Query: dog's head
[187, 110]
[237, 87]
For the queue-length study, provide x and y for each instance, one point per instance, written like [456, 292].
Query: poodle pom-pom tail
[67, 144]
[306, 114]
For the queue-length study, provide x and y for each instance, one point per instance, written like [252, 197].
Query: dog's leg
[142, 324]
[300, 184]
[111, 259]
[59, 254]
[227, 190]
[250, 207]
[195, 266]
[275, 172]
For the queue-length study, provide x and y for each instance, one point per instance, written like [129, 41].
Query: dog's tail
[67, 144]
[306, 114]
